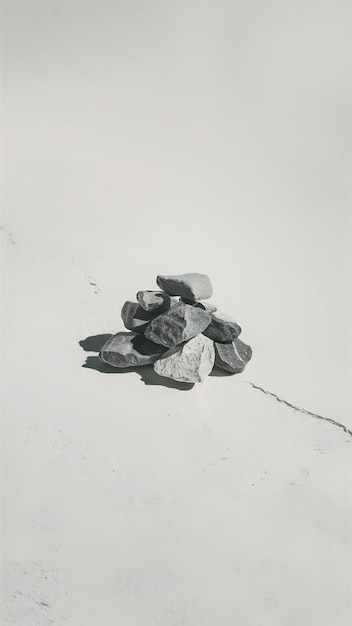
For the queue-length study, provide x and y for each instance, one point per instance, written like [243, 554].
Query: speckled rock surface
[153, 301]
[189, 363]
[222, 328]
[232, 357]
[177, 324]
[134, 317]
[192, 286]
[130, 349]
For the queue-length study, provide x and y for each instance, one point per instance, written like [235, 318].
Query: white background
[146, 137]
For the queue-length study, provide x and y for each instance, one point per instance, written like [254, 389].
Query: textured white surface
[171, 137]
[149, 137]
[129, 502]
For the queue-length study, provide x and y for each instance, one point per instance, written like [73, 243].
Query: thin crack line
[45, 257]
[296, 408]
[94, 285]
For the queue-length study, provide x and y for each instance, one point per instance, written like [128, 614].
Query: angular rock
[156, 301]
[206, 306]
[192, 286]
[178, 324]
[232, 357]
[189, 363]
[130, 349]
[134, 317]
[222, 328]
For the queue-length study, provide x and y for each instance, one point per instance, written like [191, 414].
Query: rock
[232, 357]
[189, 363]
[188, 301]
[192, 286]
[130, 349]
[177, 324]
[156, 301]
[134, 317]
[222, 328]
[206, 306]
[224, 316]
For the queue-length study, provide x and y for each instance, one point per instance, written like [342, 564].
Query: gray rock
[188, 301]
[206, 306]
[174, 300]
[134, 317]
[222, 328]
[191, 286]
[156, 301]
[232, 357]
[189, 363]
[178, 324]
[130, 349]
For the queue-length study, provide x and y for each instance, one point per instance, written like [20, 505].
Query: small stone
[134, 317]
[178, 324]
[189, 363]
[232, 357]
[222, 328]
[156, 301]
[191, 286]
[206, 306]
[188, 301]
[130, 349]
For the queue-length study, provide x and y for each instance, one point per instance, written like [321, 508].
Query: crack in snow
[296, 408]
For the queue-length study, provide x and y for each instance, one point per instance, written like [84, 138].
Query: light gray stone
[174, 300]
[178, 324]
[192, 286]
[189, 363]
[134, 317]
[222, 328]
[232, 357]
[130, 349]
[206, 306]
[154, 301]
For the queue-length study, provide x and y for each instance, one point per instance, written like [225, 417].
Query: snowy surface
[129, 501]
[143, 138]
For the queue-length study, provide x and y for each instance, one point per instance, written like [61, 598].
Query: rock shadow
[147, 374]
[217, 371]
[149, 377]
[94, 343]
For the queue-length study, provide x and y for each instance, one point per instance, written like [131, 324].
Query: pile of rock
[177, 331]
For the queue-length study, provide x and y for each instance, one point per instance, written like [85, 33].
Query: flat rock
[134, 317]
[210, 307]
[205, 306]
[130, 349]
[156, 301]
[232, 357]
[178, 324]
[191, 362]
[193, 286]
[222, 328]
